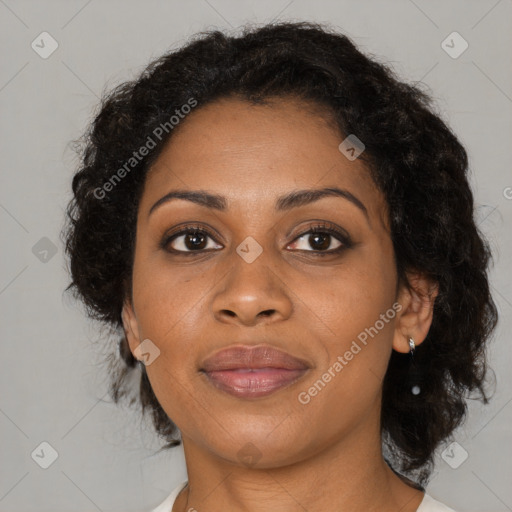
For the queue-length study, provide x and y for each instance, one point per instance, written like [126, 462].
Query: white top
[428, 504]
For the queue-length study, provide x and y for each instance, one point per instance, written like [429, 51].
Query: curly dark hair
[412, 156]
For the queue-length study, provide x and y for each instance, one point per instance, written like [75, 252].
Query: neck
[350, 474]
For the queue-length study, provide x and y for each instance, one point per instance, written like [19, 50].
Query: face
[246, 269]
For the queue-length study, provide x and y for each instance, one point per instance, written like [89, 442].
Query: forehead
[254, 153]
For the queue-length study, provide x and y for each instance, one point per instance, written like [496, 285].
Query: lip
[252, 372]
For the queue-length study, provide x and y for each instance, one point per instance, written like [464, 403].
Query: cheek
[350, 298]
[167, 298]
[356, 310]
[347, 383]
[167, 305]
[170, 312]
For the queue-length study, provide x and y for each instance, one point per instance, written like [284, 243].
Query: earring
[415, 373]
[412, 345]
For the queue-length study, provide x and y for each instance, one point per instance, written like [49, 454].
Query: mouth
[253, 372]
[253, 383]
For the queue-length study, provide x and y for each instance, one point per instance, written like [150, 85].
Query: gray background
[52, 380]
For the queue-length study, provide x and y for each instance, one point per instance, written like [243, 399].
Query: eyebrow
[283, 203]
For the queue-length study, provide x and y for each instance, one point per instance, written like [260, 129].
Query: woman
[283, 234]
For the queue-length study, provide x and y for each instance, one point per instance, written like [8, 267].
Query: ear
[131, 327]
[415, 317]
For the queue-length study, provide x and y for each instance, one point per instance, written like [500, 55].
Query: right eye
[191, 239]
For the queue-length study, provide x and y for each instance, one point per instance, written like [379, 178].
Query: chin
[259, 449]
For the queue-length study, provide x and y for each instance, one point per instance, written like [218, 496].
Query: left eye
[320, 241]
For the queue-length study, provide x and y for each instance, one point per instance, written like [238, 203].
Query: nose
[252, 293]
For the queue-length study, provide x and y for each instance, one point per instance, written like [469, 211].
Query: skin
[323, 455]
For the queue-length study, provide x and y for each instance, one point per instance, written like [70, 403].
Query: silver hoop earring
[415, 373]
[412, 345]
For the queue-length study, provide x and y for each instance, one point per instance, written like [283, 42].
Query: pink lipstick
[252, 372]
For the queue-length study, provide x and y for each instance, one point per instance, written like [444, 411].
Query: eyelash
[323, 228]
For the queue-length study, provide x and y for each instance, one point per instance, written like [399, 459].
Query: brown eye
[190, 240]
[322, 239]
[318, 242]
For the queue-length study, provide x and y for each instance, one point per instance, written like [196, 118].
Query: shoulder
[429, 504]
[166, 505]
